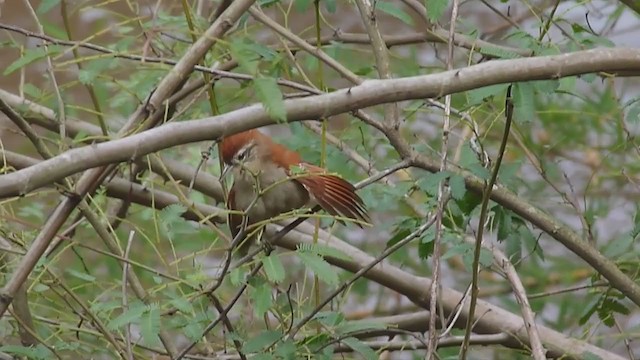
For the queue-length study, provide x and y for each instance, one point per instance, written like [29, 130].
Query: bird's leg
[264, 242]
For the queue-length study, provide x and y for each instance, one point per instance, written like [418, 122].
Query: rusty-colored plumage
[270, 164]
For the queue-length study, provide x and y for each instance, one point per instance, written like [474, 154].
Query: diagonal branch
[369, 93]
[90, 180]
[494, 320]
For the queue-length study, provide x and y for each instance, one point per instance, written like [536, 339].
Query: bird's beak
[225, 171]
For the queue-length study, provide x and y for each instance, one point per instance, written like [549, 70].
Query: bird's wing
[235, 219]
[336, 195]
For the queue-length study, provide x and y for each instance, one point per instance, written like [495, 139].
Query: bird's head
[240, 151]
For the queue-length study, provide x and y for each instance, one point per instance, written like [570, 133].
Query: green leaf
[427, 243]
[456, 249]
[273, 267]
[259, 342]
[317, 341]
[479, 171]
[80, 275]
[302, 5]
[457, 187]
[172, 213]
[430, 182]
[131, 315]
[589, 77]
[267, 3]
[324, 250]
[263, 356]
[508, 172]
[236, 276]
[523, 95]
[286, 350]
[150, 324]
[46, 5]
[476, 96]
[618, 246]
[270, 96]
[172, 222]
[29, 56]
[617, 306]
[104, 307]
[330, 5]
[502, 221]
[590, 310]
[435, 9]
[486, 257]
[193, 331]
[40, 288]
[181, 303]
[38, 352]
[359, 325]
[513, 248]
[319, 266]
[530, 242]
[247, 58]
[329, 318]
[86, 77]
[546, 86]
[261, 295]
[361, 348]
[590, 356]
[633, 114]
[394, 11]
[33, 91]
[499, 52]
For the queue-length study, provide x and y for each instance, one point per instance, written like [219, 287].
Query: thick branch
[370, 93]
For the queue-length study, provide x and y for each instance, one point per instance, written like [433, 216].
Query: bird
[270, 179]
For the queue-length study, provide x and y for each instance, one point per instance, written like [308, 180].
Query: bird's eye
[242, 154]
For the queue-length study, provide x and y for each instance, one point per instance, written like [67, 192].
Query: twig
[125, 297]
[443, 195]
[416, 233]
[381, 55]
[222, 314]
[227, 324]
[91, 179]
[21, 310]
[537, 350]
[52, 76]
[135, 283]
[486, 195]
[453, 341]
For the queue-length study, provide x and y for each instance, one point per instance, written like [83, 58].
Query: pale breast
[285, 196]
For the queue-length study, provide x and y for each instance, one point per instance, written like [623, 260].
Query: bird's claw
[266, 245]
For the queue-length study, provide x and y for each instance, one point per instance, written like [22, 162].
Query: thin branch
[380, 53]
[537, 350]
[443, 195]
[52, 75]
[633, 5]
[494, 320]
[390, 250]
[462, 40]
[222, 314]
[486, 195]
[21, 303]
[125, 297]
[453, 341]
[91, 179]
